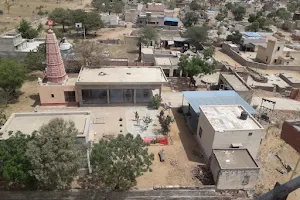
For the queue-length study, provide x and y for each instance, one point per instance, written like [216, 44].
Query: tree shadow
[190, 145]
[36, 99]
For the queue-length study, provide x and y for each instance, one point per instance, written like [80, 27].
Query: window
[200, 132]
[70, 96]
[278, 48]
[250, 134]
[266, 58]
[275, 60]
[246, 180]
[52, 95]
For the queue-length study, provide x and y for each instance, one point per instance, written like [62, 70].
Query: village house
[14, 46]
[98, 86]
[228, 126]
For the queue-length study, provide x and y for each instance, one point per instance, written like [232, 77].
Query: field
[28, 9]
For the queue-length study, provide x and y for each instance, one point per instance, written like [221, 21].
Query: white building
[229, 126]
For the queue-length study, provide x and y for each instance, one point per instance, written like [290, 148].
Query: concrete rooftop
[121, 75]
[292, 77]
[234, 82]
[234, 159]
[226, 118]
[27, 123]
[162, 61]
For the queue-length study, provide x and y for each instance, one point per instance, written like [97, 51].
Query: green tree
[293, 5]
[15, 166]
[196, 35]
[190, 19]
[252, 18]
[172, 4]
[27, 31]
[222, 15]
[36, 60]
[229, 6]
[165, 122]
[12, 75]
[197, 65]
[156, 101]
[195, 5]
[54, 155]
[239, 13]
[282, 13]
[236, 37]
[208, 52]
[118, 162]
[147, 35]
[253, 27]
[90, 20]
[61, 16]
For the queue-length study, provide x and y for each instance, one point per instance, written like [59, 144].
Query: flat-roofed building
[27, 123]
[233, 169]
[228, 126]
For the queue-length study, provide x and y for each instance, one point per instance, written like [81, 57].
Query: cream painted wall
[45, 92]
[252, 143]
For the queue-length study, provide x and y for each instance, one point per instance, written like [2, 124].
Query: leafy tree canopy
[282, 13]
[12, 75]
[190, 19]
[208, 52]
[195, 5]
[118, 162]
[27, 31]
[36, 60]
[54, 155]
[146, 35]
[239, 13]
[196, 35]
[61, 16]
[15, 166]
[90, 20]
[236, 37]
[195, 65]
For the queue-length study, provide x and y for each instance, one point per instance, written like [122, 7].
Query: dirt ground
[272, 169]
[114, 33]
[27, 9]
[121, 51]
[220, 56]
[181, 157]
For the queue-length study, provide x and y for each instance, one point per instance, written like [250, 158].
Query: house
[275, 52]
[234, 169]
[290, 133]
[198, 98]
[96, 86]
[110, 19]
[27, 123]
[232, 81]
[14, 46]
[228, 126]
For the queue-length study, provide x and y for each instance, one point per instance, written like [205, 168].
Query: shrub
[1, 12]
[156, 101]
[41, 12]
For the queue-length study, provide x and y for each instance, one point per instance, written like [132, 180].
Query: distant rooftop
[251, 34]
[27, 123]
[162, 61]
[235, 82]
[226, 97]
[292, 77]
[121, 75]
[171, 19]
[227, 117]
[234, 158]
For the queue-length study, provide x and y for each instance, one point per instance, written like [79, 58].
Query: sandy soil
[273, 146]
[114, 33]
[27, 9]
[181, 157]
[122, 51]
[26, 101]
[220, 56]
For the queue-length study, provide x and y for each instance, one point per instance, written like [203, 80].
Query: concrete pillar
[134, 96]
[171, 72]
[107, 94]
[180, 73]
[79, 96]
[160, 91]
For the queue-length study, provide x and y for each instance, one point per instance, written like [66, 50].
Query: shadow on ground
[189, 143]
[36, 99]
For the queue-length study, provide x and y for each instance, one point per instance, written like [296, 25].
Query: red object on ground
[163, 140]
[148, 140]
[50, 22]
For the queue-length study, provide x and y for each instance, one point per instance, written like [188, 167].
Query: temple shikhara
[96, 86]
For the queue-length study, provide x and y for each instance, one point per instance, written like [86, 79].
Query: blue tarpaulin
[201, 98]
[171, 19]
